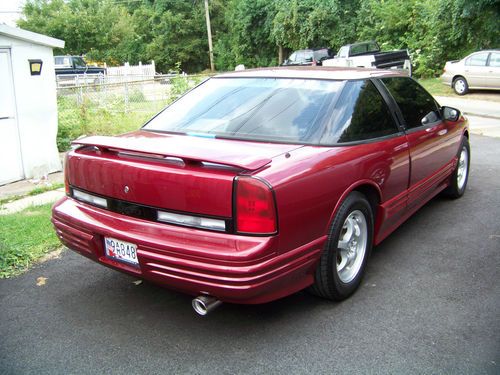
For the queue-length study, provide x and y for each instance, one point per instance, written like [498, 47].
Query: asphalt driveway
[430, 303]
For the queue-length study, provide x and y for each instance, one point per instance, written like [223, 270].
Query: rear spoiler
[198, 150]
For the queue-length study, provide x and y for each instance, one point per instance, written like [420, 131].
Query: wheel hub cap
[463, 163]
[352, 246]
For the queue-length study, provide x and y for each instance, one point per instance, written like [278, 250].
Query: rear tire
[460, 176]
[343, 260]
[460, 86]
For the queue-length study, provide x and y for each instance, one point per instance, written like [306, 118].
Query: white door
[494, 71]
[11, 166]
[476, 71]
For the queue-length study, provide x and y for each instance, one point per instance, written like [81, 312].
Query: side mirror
[450, 114]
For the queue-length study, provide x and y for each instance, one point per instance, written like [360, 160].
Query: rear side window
[360, 114]
[415, 103]
[495, 59]
[61, 60]
[479, 59]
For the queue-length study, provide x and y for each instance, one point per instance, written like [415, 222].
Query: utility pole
[209, 32]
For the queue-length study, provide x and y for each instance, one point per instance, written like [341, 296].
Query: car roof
[359, 43]
[486, 50]
[311, 49]
[312, 72]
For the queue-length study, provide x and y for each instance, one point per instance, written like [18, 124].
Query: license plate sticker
[121, 250]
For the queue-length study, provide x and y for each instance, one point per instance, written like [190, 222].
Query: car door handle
[442, 132]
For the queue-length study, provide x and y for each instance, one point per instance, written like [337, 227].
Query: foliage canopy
[251, 32]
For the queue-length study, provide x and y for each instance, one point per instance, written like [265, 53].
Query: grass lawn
[90, 119]
[105, 112]
[435, 87]
[24, 238]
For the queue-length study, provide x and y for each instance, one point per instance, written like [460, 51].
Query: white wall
[36, 103]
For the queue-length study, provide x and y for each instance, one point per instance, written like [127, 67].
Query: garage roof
[30, 36]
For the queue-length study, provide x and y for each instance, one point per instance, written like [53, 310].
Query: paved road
[474, 107]
[430, 303]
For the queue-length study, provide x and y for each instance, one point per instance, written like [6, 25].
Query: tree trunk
[280, 54]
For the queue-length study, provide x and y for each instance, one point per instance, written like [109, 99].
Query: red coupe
[257, 184]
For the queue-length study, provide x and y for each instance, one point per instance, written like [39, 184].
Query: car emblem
[126, 189]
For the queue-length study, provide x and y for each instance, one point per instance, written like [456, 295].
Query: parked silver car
[479, 70]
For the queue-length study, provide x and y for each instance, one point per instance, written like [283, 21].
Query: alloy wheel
[463, 166]
[352, 246]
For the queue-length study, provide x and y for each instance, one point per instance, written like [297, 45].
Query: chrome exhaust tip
[202, 305]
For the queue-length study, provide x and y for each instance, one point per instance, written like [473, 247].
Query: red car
[257, 184]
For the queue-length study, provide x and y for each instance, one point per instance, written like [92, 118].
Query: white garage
[28, 105]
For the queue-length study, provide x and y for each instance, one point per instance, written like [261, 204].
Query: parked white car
[479, 70]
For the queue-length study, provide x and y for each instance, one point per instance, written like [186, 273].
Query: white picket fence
[130, 73]
[114, 75]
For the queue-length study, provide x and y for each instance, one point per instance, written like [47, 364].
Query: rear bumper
[446, 78]
[233, 268]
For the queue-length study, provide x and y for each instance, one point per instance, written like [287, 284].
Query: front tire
[460, 86]
[460, 176]
[343, 260]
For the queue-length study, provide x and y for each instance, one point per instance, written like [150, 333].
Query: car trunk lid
[172, 172]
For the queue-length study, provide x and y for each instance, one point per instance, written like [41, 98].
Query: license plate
[121, 250]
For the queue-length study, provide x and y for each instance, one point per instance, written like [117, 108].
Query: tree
[251, 32]
[99, 29]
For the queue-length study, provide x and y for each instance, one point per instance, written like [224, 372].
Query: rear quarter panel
[311, 182]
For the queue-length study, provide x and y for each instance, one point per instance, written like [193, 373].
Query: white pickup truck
[368, 55]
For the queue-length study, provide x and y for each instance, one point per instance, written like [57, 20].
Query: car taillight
[255, 208]
[66, 174]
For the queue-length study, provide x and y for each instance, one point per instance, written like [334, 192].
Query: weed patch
[25, 237]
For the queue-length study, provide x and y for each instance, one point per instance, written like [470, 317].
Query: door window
[360, 114]
[79, 63]
[478, 59]
[308, 56]
[495, 59]
[417, 105]
[322, 54]
[300, 57]
[343, 52]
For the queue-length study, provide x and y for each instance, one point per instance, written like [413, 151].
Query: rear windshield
[261, 109]
[322, 54]
[359, 49]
